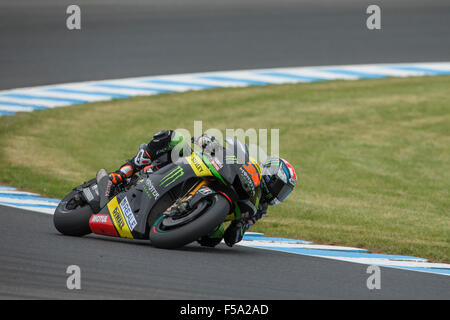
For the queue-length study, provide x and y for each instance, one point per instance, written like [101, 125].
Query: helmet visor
[284, 192]
[279, 188]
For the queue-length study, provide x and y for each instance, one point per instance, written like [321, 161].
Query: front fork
[235, 211]
[184, 203]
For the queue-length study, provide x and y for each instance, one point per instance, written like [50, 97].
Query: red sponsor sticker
[216, 165]
[102, 224]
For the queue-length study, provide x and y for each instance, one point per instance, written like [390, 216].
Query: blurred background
[136, 37]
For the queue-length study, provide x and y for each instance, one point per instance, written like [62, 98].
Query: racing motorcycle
[172, 206]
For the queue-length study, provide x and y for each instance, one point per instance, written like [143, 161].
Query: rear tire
[72, 222]
[177, 237]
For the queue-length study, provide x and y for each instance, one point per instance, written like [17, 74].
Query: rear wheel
[171, 232]
[72, 216]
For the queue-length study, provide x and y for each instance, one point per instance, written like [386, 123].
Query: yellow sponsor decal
[119, 219]
[199, 167]
[256, 164]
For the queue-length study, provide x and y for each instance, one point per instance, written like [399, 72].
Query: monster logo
[172, 176]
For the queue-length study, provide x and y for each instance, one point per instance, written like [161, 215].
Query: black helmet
[279, 179]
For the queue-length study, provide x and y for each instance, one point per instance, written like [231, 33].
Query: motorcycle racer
[278, 181]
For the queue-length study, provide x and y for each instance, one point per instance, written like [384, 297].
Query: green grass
[373, 156]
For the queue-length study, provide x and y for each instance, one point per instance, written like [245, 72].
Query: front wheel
[173, 232]
[72, 218]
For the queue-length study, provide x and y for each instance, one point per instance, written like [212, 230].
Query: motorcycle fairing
[129, 211]
[124, 223]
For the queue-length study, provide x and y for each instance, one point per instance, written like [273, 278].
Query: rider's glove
[249, 219]
[234, 233]
[213, 238]
[204, 140]
[118, 177]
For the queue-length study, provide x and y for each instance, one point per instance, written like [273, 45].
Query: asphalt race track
[34, 258]
[138, 38]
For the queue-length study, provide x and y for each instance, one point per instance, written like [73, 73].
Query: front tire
[176, 237]
[72, 221]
